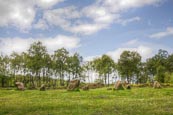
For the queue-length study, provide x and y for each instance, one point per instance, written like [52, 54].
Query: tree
[87, 68]
[36, 55]
[151, 66]
[108, 66]
[157, 65]
[4, 72]
[160, 76]
[169, 63]
[16, 62]
[143, 76]
[47, 65]
[74, 67]
[60, 63]
[104, 66]
[128, 64]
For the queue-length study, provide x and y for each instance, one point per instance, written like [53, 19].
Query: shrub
[95, 85]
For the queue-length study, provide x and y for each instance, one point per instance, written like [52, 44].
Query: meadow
[137, 101]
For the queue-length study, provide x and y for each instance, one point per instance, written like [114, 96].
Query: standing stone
[128, 86]
[85, 88]
[157, 85]
[119, 85]
[73, 85]
[20, 86]
[43, 87]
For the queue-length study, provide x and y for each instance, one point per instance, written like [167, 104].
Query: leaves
[128, 64]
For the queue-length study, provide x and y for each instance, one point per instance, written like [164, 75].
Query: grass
[138, 101]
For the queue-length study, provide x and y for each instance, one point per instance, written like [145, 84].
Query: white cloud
[60, 41]
[47, 3]
[61, 17]
[119, 5]
[131, 42]
[86, 29]
[159, 35]
[124, 22]
[144, 51]
[91, 58]
[8, 45]
[97, 16]
[88, 20]
[18, 13]
[21, 13]
[106, 12]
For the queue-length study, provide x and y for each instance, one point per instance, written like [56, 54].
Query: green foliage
[4, 80]
[142, 85]
[104, 66]
[169, 63]
[36, 54]
[167, 77]
[128, 64]
[160, 76]
[171, 78]
[157, 62]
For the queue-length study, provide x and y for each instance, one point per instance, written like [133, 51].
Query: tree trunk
[3, 81]
[39, 80]
[43, 76]
[62, 79]
[32, 81]
[88, 77]
[128, 79]
[68, 80]
[54, 85]
[108, 79]
[105, 79]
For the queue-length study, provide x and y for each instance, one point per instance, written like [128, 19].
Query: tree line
[36, 66]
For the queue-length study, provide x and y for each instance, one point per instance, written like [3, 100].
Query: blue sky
[89, 27]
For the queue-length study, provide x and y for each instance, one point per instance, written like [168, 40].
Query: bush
[140, 85]
[61, 87]
[167, 77]
[171, 78]
[95, 85]
[165, 84]
[171, 85]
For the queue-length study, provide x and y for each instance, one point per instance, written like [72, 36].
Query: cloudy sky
[89, 27]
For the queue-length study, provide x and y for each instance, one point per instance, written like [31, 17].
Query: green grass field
[138, 101]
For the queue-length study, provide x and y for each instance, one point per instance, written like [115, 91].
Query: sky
[90, 27]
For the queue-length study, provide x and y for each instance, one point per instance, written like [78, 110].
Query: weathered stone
[43, 87]
[20, 86]
[85, 88]
[157, 85]
[119, 85]
[128, 86]
[73, 85]
[125, 83]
